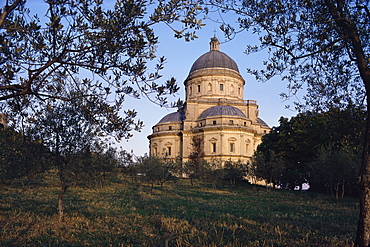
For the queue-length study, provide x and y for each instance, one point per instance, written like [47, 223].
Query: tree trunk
[63, 190]
[343, 188]
[363, 227]
[349, 30]
[60, 200]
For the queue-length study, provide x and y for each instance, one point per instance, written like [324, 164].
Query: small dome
[214, 59]
[220, 110]
[173, 117]
[262, 123]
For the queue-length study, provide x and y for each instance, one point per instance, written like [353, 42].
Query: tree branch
[309, 54]
[6, 10]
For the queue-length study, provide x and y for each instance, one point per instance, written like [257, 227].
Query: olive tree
[110, 50]
[69, 135]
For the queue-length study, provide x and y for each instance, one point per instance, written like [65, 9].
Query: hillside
[130, 214]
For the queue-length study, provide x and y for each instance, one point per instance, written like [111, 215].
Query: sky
[180, 57]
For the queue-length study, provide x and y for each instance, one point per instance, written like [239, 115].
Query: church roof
[220, 110]
[173, 117]
[262, 123]
[214, 59]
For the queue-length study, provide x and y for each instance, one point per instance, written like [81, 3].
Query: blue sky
[180, 57]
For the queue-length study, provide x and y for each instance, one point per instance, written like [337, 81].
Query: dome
[173, 117]
[221, 110]
[214, 59]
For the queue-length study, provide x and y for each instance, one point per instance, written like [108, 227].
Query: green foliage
[91, 166]
[335, 170]
[154, 170]
[270, 167]
[21, 158]
[293, 152]
[234, 171]
[125, 214]
[196, 167]
[211, 172]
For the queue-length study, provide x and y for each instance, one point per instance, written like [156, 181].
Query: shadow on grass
[126, 214]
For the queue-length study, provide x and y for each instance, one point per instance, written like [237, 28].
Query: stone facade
[215, 111]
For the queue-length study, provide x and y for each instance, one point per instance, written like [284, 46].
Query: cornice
[228, 128]
[214, 72]
[160, 134]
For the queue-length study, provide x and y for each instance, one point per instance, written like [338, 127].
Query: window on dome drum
[209, 87]
[246, 148]
[238, 90]
[214, 122]
[221, 87]
[169, 151]
[214, 147]
[190, 90]
[231, 122]
[198, 88]
[169, 127]
[155, 152]
[232, 147]
[245, 123]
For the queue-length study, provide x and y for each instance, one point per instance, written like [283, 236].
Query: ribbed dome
[173, 117]
[221, 110]
[214, 59]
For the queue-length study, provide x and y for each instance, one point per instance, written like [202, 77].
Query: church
[214, 112]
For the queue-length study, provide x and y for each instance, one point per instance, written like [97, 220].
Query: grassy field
[126, 214]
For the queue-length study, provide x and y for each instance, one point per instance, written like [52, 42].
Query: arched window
[232, 89]
[190, 90]
[198, 88]
[209, 87]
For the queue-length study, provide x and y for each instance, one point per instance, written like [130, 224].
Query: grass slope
[126, 214]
